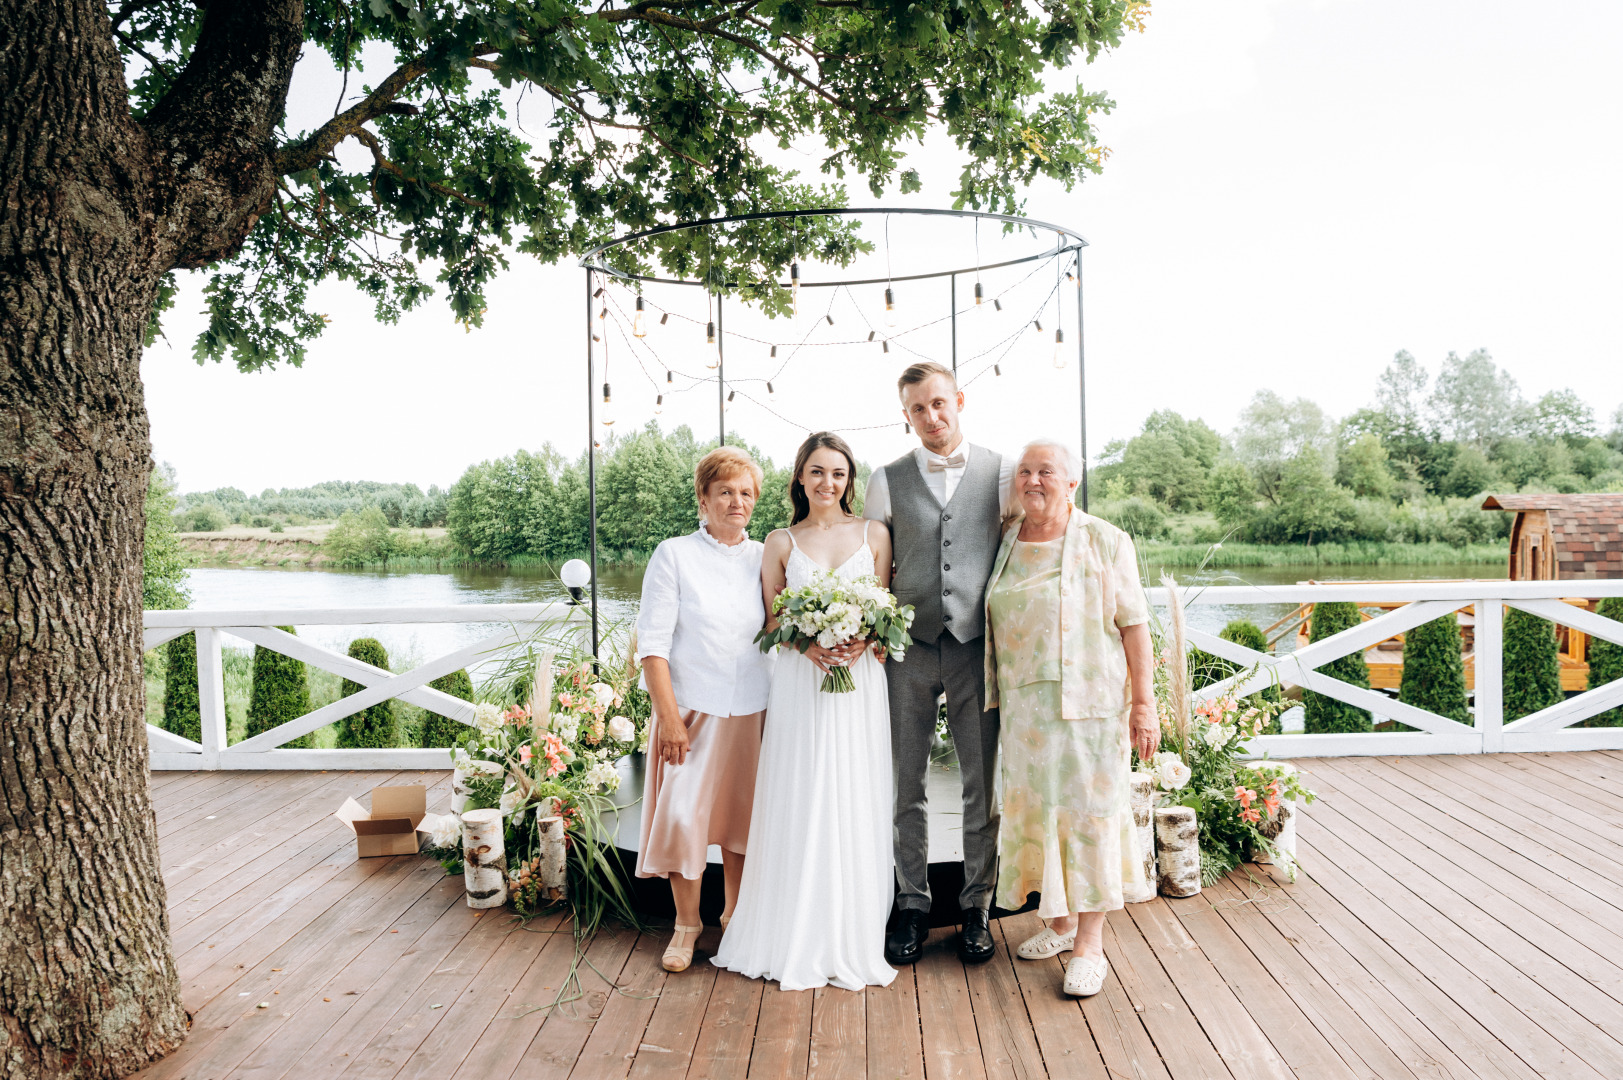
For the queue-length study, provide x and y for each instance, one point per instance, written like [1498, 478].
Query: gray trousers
[958, 670]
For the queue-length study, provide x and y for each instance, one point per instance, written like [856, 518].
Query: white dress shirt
[701, 609]
[942, 482]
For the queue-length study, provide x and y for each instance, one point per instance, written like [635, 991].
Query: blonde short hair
[724, 463]
[917, 373]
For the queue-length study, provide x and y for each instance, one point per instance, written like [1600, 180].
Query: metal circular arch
[592, 260]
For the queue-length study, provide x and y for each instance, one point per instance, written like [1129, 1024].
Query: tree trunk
[484, 859]
[90, 219]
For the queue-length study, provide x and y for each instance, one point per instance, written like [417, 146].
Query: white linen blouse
[701, 609]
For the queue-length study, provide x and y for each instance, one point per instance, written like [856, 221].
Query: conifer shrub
[182, 713]
[1206, 668]
[280, 692]
[442, 730]
[1326, 715]
[377, 726]
[1532, 674]
[1606, 663]
[1434, 669]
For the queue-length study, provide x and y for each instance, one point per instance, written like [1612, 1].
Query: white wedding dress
[818, 877]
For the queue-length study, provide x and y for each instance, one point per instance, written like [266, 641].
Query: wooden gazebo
[1561, 537]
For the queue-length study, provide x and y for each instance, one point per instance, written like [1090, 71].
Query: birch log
[1284, 830]
[1177, 844]
[1143, 796]
[484, 859]
[459, 781]
[554, 872]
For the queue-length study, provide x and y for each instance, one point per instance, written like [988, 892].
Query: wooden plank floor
[1460, 917]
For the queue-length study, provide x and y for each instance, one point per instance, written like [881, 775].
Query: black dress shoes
[905, 944]
[975, 945]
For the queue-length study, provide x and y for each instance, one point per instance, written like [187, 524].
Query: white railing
[1547, 729]
[518, 623]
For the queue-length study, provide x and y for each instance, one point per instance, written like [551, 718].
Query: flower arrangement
[1238, 802]
[830, 611]
[546, 737]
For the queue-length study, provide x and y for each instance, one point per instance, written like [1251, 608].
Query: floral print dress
[1067, 828]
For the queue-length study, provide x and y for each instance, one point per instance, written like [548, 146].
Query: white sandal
[1045, 943]
[1085, 977]
[678, 957]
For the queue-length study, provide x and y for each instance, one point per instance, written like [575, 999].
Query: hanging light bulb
[1060, 357]
[603, 312]
[669, 378]
[978, 294]
[885, 344]
[608, 407]
[771, 394]
[659, 404]
[598, 295]
[997, 305]
[729, 403]
[997, 369]
[712, 358]
[830, 319]
[665, 318]
[871, 334]
[774, 353]
[638, 327]
[1038, 323]
[890, 308]
[710, 333]
[794, 288]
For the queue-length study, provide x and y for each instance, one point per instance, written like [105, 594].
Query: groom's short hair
[917, 373]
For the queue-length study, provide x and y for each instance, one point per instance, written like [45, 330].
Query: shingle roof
[1588, 530]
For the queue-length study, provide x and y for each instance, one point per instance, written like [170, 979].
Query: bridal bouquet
[831, 611]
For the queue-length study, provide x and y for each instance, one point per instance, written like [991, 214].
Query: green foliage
[163, 563]
[1231, 492]
[1308, 504]
[1532, 665]
[1325, 714]
[1135, 515]
[1434, 669]
[359, 538]
[440, 730]
[1365, 467]
[202, 517]
[403, 505]
[281, 692]
[377, 725]
[1606, 663]
[1168, 462]
[181, 711]
[660, 113]
[1206, 668]
[1471, 474]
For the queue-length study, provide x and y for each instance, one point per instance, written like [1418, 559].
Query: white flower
[510, 799]
[446, 831]
[488, 719]
[565, 726]
[622, 729]
[603, 692]
[602, 776]
[1170, 771]
[475, 767]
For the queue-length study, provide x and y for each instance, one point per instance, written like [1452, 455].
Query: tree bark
[94, 209]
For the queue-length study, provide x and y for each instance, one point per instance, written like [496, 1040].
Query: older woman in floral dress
[1068, 661]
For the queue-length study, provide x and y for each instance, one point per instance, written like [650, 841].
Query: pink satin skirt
[705, 800]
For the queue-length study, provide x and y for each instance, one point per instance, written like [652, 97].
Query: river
[245, 588]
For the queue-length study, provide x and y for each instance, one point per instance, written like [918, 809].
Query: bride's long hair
[797, 493]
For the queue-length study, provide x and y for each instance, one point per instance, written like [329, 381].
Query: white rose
[622, 729]
[603, 776]
[510, 799]
[603, 692]
[1173, 775]
[565, 727]
[446, 831]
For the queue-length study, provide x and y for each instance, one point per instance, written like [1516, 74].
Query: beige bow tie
[942, 464]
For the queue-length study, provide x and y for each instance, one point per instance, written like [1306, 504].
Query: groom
[943, 503]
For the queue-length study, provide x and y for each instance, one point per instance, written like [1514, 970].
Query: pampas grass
[1177, 661]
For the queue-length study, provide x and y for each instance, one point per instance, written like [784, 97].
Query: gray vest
[944, 554]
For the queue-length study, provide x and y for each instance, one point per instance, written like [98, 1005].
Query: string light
[608, 407]
[997, 305]
[871, 334]
[603, 312]
[729, 403]
[890, 308]
[665, 318]
[598, 295]
[997, 369]
[794, 288]
[638, 327]
[669, 378]
[659, 404]
[885, 344]
[830, 319]
[774, 353]
[977, 294]
[1059, 347]
[771, 394]
[1038, 323]
[710, 334]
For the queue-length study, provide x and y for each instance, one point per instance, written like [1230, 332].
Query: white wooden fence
[1549, 729]
[518, 623]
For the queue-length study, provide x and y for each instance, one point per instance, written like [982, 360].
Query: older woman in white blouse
[709, 682]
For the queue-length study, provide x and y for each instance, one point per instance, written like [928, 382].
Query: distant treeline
[402, 505]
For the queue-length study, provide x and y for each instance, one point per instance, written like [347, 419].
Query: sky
[1296, 190]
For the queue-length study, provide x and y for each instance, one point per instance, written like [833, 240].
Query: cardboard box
[391, 827]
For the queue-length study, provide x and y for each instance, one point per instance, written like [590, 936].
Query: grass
[1358, 552]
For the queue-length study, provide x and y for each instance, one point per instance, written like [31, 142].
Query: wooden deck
[1461, 918]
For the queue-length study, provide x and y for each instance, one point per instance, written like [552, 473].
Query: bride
[818, 883]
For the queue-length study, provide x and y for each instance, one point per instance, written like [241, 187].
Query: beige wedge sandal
[679, 957]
